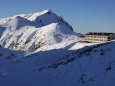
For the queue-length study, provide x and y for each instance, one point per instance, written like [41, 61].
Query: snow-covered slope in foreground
[30, 32]
[89, 66]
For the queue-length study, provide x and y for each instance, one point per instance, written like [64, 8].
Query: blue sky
[84, 15]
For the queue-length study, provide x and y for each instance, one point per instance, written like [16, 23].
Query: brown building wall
[97, 38]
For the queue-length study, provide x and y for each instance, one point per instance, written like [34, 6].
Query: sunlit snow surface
[30, 32]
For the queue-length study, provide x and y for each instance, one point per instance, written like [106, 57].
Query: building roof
[99, 33]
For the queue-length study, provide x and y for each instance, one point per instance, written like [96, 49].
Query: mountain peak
[46, 11]
[29, 31]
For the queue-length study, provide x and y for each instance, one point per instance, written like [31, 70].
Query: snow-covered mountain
[30, 32]
[41, 49]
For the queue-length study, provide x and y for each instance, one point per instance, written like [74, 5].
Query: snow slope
[30, 32]
[89, 66]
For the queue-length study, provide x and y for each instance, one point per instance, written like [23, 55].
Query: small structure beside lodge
[97, 37]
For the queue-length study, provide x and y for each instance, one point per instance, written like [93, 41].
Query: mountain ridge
[30, 26]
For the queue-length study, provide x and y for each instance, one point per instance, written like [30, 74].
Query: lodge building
[97, 37]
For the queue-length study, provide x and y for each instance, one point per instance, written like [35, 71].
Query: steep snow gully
[41, 49]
